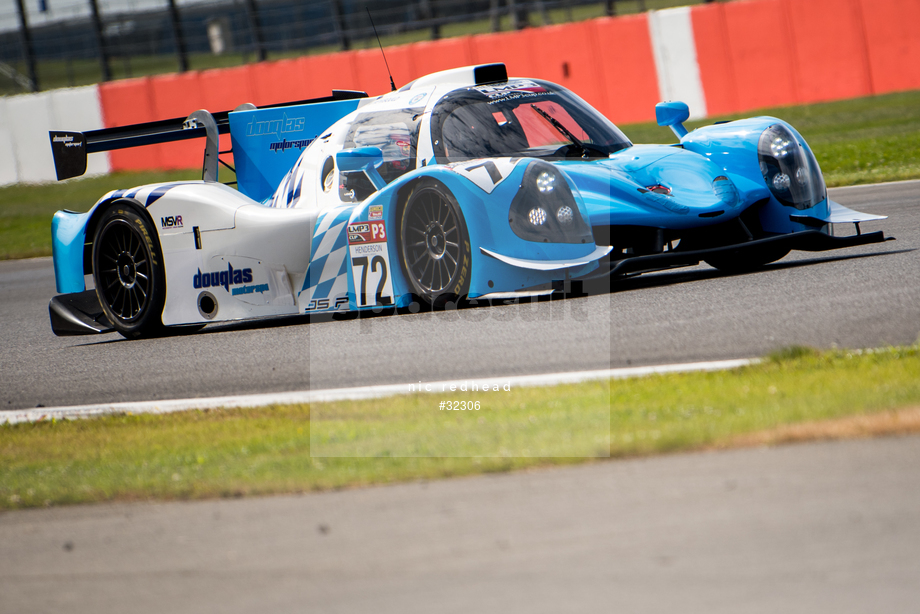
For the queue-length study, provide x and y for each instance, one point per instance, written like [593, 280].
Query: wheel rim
[124, 270]
[432, 241]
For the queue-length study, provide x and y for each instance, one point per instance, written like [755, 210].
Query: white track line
[363, 392]
[874, 185]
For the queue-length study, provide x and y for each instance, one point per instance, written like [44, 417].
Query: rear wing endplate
[71, 148]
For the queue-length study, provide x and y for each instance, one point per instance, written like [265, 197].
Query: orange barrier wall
[761, 53]
[751, 54]
[129, 102]
[434, 56]
[626, 68]
[759, 59]
[177, 96]
[829, 48]
[893, 43]
[715, 59]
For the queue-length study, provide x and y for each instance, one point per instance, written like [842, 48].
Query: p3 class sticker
[370, 264]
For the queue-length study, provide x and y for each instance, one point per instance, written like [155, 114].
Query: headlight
[789, 169]
[545, 182]
[545, 210]
[565, 215]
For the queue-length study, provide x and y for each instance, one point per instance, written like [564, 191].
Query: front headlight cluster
[789, 169]
[545, 210]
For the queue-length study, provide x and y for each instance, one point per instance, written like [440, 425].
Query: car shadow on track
[654, 279]
[651, 279]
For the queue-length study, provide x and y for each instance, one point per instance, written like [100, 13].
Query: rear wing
[71, 148]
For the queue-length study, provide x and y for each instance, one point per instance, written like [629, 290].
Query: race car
[462, 184]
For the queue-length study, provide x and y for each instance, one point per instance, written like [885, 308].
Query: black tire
[128, 271]
[434, 244]
[746, 261]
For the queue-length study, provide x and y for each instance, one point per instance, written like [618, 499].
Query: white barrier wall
[78, 109]
[674, 49]
[8, 171]
[24, 124]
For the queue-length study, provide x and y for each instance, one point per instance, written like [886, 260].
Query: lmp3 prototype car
[463, 183]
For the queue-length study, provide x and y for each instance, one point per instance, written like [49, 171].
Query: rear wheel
[435, 247]
[128, 271]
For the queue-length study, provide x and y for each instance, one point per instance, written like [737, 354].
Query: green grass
[26, 210]
[866, 140]
[268, 450]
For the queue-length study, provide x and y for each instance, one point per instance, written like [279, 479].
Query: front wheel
[128, 271]
[435, 246]
[747, 261]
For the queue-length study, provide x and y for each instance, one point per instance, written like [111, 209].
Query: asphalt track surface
[814, 528]
[860, 297]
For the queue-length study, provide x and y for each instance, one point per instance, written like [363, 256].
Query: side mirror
[673, 115]
[362, 159]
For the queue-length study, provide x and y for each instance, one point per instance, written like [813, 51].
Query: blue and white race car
[464, 183]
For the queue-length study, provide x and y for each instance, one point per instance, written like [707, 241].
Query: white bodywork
[273, 240]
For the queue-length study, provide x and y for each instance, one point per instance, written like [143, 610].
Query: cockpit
[521, 117]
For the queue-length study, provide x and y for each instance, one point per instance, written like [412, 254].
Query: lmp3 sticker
[370, 264]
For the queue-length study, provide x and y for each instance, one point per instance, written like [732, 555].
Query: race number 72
[375, 267]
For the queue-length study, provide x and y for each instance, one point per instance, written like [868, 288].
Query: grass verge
[865, 140]
[268, 450]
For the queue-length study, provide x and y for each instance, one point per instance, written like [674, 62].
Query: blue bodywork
[68, 234]
[718, 188]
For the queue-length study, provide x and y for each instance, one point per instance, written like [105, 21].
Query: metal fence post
[27, 45]
[494, 16]
[100, 42]
[519, 15]
[181, 51]
[339, 21]
[255, 26]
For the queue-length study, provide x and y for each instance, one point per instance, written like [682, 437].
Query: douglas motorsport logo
[67, 140]
[225, 279]
[278, 128]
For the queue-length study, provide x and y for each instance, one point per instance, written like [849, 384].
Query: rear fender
[72, 237]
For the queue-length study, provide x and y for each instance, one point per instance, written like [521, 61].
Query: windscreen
[520, 118]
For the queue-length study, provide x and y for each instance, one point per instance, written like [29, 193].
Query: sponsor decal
[326, 304]
[225, 279]
[284, 144]
[367, 232]
[375, 212]
[67, 140]
[276, 127]
[370, 264]
[418, 98]
[260, 288]
[171, 221]
[511, 88]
